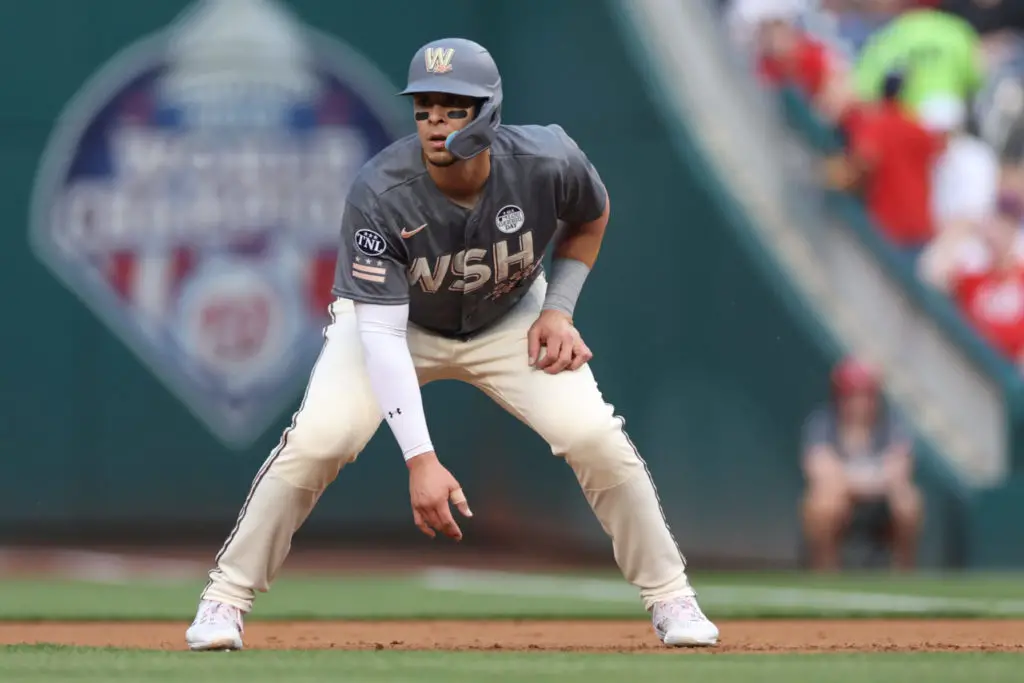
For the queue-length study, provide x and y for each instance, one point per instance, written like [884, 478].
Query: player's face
[438, 115]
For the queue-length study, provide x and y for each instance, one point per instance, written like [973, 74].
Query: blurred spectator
[744, 17]
[854, 21]
[858, 464]
[939, 53]
[932, 120]
[966, 178]
[788, 56]
[891, 159]
[1011, 179]
[963, 189]
[961, 248]
[990, 290]
[999, 108]
[987, 16]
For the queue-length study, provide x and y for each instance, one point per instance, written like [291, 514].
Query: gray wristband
[567, 278]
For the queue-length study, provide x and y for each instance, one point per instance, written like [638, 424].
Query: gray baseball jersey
[460, 269]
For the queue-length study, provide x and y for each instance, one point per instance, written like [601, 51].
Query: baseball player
[439, 277]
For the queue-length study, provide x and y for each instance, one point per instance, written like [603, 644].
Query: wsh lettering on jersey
[191, 198]
[503, 266]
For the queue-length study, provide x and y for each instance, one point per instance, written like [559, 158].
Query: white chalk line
[752, 597]
[100, 567]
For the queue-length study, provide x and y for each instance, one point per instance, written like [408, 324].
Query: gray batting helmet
[460, 67]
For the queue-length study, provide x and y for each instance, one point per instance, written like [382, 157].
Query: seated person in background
[858, 463]
[990, 293]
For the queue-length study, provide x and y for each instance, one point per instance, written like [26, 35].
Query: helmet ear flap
[495, 118]
[476, 136]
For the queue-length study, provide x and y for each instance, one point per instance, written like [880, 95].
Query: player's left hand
[563, 346]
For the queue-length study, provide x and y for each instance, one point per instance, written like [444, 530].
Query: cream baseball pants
[339, 414]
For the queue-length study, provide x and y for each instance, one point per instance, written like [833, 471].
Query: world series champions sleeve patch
[197, 217]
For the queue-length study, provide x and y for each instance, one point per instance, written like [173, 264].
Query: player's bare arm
[582, 242]
[554, 330]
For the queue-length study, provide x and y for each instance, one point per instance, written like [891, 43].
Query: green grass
[52, 664]
[494, 595]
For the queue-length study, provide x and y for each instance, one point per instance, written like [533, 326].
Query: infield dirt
[582, 636]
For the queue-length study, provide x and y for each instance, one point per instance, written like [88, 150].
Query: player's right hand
[431, 488]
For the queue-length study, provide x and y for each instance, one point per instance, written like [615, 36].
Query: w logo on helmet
[439, 59]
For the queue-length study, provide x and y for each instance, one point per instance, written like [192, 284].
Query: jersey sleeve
[371, 259]
[581, 193]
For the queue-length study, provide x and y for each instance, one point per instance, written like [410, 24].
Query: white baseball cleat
[217, 627]
[680, 623]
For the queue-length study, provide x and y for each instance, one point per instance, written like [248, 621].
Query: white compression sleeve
[382, 330]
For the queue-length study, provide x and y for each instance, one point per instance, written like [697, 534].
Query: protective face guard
[478, 133]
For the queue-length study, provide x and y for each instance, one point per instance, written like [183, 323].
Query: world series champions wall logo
[191, 195]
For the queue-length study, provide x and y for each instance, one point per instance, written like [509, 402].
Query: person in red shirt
[789, 57]
[890, 159]
[992, 298]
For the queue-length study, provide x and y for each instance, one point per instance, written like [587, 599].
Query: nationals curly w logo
[439, 59]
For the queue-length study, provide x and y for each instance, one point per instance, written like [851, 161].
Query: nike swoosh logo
[406, 234]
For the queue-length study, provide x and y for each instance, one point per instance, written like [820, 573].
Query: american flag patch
[373, 271]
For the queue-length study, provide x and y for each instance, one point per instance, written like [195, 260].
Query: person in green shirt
[939, 53]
